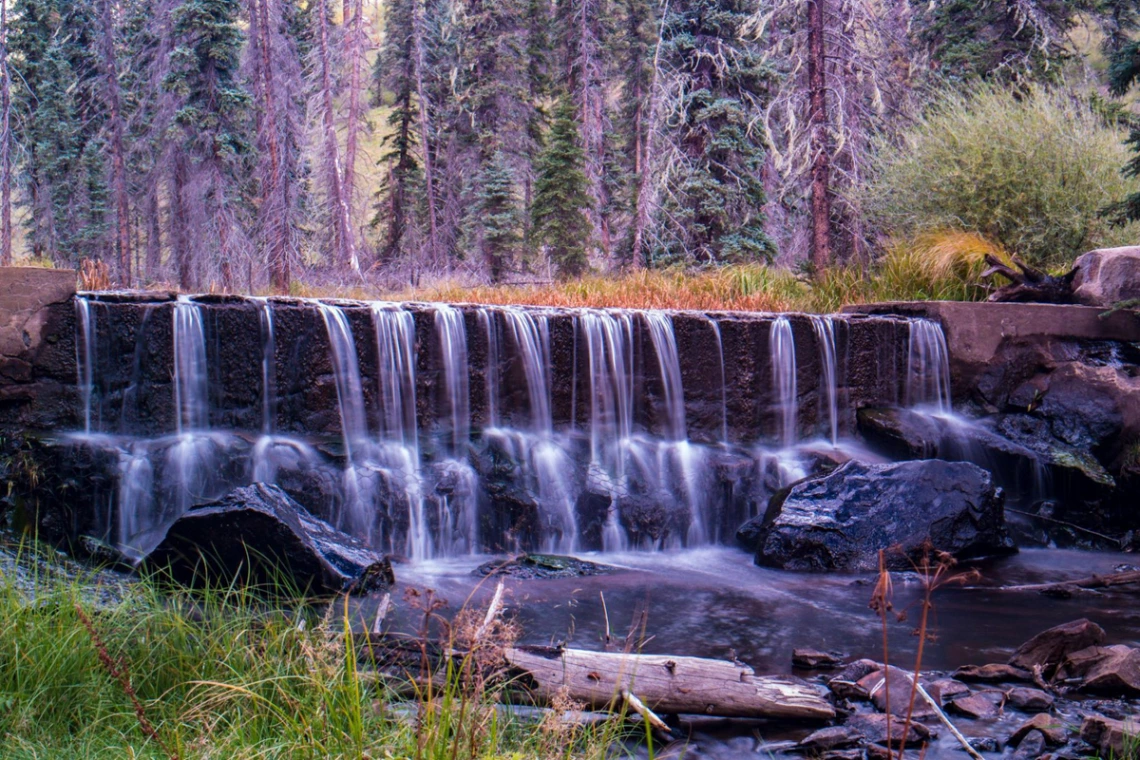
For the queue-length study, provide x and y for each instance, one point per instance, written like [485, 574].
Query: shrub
[1030, 170]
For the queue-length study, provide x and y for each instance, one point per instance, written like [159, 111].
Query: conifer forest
[246, 145]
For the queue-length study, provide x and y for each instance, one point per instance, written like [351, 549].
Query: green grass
[217, 674]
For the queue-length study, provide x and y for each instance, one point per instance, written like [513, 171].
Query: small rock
[1113, 670]
[898, 689]
[1029, 700]
[945, 690]
[831, 737]
[844, 754]
[1031, 747]
[1049, 648]
[992, 673]
[532, 566]
[1113, 738]
[874, 730]
[985, 705]
[1050, 727]
[813, 659]
[845, 685]
[985, 744]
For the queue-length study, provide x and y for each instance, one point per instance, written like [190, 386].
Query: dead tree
[1029, 284]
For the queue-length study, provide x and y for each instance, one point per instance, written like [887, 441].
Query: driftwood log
[1029, 284]
[667, 685]
[1126, 578]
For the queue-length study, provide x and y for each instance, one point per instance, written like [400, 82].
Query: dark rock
[846, 684]
[831, 737]
[842, 520]
[532, 566]
[985, 705]
[257, 534]
[944, 690]
[1029, 700]
[844, 754]
[1048, 648]
[873, 727]
[1113, 670]
[1112, 738]
[813, 659]
[893, 697]
[1031, 746]
[992, 673]
[984, 743]
[1051, 728]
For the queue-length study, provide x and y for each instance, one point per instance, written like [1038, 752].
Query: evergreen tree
[558, 213]
[499, 216]
[1123, 74]
[213, 118]
[715, 195]
[1009, 40]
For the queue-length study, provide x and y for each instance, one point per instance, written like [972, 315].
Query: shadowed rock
[1049, 648]
[257, 534]
[842, 520]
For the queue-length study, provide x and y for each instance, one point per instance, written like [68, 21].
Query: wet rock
[893, 696]
[539, 566]
[944, 690]
[1048, 648]
[1113, 670]
[1029, 700]
[844, 754]
[832, 737]
[1107, 276]
[873, 727]
[1048, 726]
[1112, 738]
[257, 534]
[813, 659]
[846, 684]
[993, 673]
[985, 705]
[984, 743]
[842, 520]
[1031, 746]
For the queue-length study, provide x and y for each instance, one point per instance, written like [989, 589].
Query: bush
[1030, 171]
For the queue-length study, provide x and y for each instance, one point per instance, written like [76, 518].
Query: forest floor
[99, 665]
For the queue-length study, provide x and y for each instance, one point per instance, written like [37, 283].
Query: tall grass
[216, 674]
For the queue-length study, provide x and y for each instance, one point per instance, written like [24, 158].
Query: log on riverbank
[667, 684]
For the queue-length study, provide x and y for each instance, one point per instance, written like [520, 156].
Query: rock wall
[37, 349]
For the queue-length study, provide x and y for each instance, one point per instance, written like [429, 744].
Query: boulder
[1114, 670]
[1112, 738]
[985, 705]
[1053, 729]
[1049, 648]
[257, 534]
[531, 566]
[874, 729]
[1107, 276]
[1029, 700]
[841, 520]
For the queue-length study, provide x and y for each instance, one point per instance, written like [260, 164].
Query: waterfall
[669, 363]
[85, 356]
[928, 366]
[356, 514]
[190, 385]
[783, 358]
[824, 328]
[723, 380]
[268, 369]
[452, 335]
[491, 374]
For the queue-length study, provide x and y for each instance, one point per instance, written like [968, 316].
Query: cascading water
[457, 506]
[783, 358]
[824, 328]
[928, 367]
[715, 326]
[491, 376]
[85, 356]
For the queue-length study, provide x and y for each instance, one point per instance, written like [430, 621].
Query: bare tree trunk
[275, 198]
[356, 54]
[5, 143]
[153, 232]
[645, 149]
[821, 160]
[118, 157]
[345, 251]
[179, 223]
[425, 130]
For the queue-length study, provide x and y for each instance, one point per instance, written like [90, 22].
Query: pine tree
[715, 194]
[499, 216]
[1123, 75]
[213, 118]
[558, 213]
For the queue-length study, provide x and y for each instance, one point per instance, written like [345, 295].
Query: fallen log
[1029, 285]
[666, 684]
[1110, 580]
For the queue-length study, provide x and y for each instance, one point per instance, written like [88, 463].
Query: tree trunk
[179, 224]
[118, 157]
[345, 252]
[425, 130]
[275, 197]
[645, 150]
[821, 158]
[153, 232]
[356, 54]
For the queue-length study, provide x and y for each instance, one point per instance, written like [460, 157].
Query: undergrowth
[150, 672]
